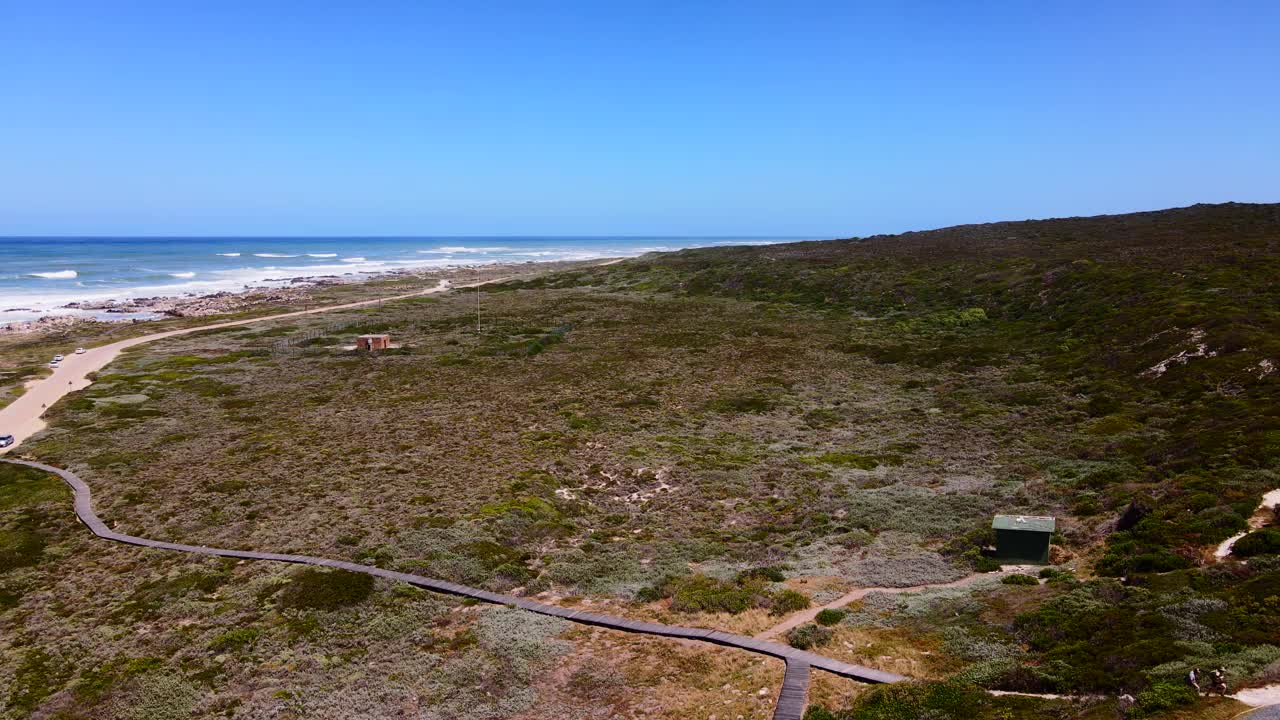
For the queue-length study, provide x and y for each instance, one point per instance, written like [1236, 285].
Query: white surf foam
[568, 254]
[229, 254]
[182, 274]
[273, 255]
[451, 249]
[55, 274]
[353, 259]
[322, 255]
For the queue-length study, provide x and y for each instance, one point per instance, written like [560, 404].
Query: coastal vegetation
[721, 438]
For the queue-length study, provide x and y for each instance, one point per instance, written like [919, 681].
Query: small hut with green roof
[1023, 538]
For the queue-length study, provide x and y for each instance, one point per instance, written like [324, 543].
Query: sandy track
[1259, 519]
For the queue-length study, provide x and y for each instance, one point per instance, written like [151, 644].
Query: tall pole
[477, 302]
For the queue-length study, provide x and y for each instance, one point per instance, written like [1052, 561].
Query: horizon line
[642, 236]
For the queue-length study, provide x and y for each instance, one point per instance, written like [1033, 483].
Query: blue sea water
[38, 276]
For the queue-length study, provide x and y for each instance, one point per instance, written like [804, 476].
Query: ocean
[38, 276]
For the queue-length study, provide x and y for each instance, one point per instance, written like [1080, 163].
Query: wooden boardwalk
[794, 696]
[795, 683]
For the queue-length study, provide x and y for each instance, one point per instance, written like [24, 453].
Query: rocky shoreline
[134, 310]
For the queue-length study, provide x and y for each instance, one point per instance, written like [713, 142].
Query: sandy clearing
[22, 417]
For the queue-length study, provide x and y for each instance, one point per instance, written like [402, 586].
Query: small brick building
[373, 342]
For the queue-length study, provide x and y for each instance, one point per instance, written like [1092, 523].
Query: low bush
[703, 594]
[22, 486]
[829, 616]
[234, 640]
[1166, 696]
[809, 636]
[699, 593]
[787, 602]
[20, 548]
[1102, 635]
[912, 700]
[1259, 542]
[313, 589]
[772, 574]
[1019, 579]
[744, 403]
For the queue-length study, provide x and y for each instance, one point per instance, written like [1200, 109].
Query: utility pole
[477, 302]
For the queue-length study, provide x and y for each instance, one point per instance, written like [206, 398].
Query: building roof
[383, 335]
[1032, 523]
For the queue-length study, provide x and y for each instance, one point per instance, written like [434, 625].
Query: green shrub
[787, 602]
[700, 593]
[772, 574]
[38, 676]
[658, 591]
[234, 639]
[20, 548]
[745, 403]
[313, 589]
[1019, 579]
[23, 486]
[809, 636]
[914, 700]
[1100, 635]
[1166, 696]
[829, 616]
[1259, 542]
[817, 712]
[208, 387]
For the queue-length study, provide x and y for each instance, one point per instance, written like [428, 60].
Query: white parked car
[6, 441]
[79, 351]
[57, 358]
[53, 364]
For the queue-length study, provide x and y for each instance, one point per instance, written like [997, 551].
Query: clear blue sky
[796, 118]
